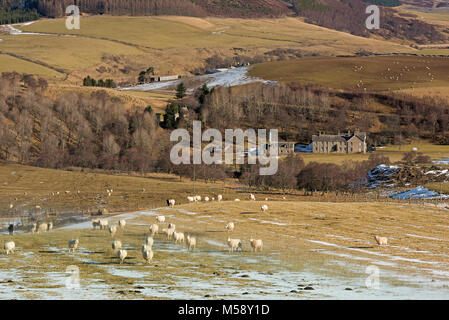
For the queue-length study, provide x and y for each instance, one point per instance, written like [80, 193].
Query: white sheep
[264, 208]
[266, 199]
[169, 232]
[206, 199]
[191, 199]
[116, 245]
[178, 237]
[42, 227]
[172, 226]
[237, 199]
[213, 199]
[104, 224]
[112, 230]
[122, 224]
[234, 244]
[11, 206]
[252, 197]
[73, 244]
[149, 242]
[145, 247]
[230, 226]
[9, 247]
[96, 223]
[171, 202]
[256, 244]
[191, 242]
[219, 197]
[122, 254]
[381, 241]
[154, 228]
[160, 219]
[197, 198]
[147, 255]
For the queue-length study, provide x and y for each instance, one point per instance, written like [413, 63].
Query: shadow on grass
[249, 212]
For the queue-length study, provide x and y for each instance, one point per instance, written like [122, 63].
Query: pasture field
[372, 73]
[10, 64]
[106, 45]
[311, 250]
[39, 183]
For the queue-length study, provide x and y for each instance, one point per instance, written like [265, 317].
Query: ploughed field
[311, 250]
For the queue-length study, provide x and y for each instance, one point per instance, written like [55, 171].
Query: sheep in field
[252, 197]
[191, 242]
[103, 224]
[191, 199]
[219, 197]
[171, 202]
[42, 227]
[264, 208]
[73, 244]
[160, 219]
[381, 241]
[234, 244]
[112, 230]
[230, 226]
[206, 199]
[122, 254]
[154, 228]
[149, 241]
[116, 245]
[197, 198]
[256, 244]
[178, 237]
[147, 255]
[237, 199]
[145, 247]
[96, 223]
[172, 226]
[169, 232]
[122, 224]
[9, 247]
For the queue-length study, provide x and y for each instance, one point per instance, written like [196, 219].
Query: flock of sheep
[170, 232]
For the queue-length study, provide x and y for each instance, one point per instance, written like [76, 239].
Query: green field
[372, 73]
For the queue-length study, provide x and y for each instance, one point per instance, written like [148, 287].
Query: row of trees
[14, 11]
[91, 82]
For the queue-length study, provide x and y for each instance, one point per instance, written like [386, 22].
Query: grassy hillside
[372, 73]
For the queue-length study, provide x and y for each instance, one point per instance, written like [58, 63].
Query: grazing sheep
[256, 244]
[122, 224]
[32, 227]
[266, 199]
[149, 242]
[213, 199]
[147, 255]
[169, 232]
[191, 242]
[381, 241]
[264, 208]
[9, 247]
[116, 245]
[103, 224]
[42, 227]
[206, 199]
[122, 254]
[112, 230]
[191, 199]
[197, 198]
[154, 228]
[67, 191]
[171, 202]
[50, 226]
[73, 244]
[178, 237]
[230, 226]
[252, 197]
[11, 206]
[236, 199]
[234, 244]
[219, 197]
[96, 223]
[143, 189]
[160, 219]
[11, 229]
[284, 198]
[172, 226]
[145, 247]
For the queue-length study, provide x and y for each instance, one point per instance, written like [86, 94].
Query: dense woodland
[97, 131]
[327, 13]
